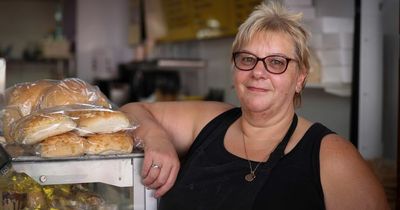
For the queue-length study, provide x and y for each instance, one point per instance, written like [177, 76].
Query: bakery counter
[118, 171]
[68, 148]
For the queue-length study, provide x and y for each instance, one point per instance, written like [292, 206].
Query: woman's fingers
[160, 167]
[168, 183]
[160, 176]
[152, 176]
[147, 161]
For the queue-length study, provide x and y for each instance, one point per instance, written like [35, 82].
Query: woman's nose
[259, 70]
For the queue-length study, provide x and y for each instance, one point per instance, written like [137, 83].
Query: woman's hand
[160, 165]
[163, 140]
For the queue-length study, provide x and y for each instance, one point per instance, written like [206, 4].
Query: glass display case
[87, 182]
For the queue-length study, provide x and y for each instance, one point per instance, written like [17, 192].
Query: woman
[261, 155]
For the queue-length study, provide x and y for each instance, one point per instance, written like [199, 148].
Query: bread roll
[64, 145]
[34, 128]
[26, 96]
[96, 121]
[10, 116]
[107, 144]
[73, 91]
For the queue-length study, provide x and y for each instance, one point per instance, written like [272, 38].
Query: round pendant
[250, 177]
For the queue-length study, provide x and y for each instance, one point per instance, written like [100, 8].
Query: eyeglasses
[274, 64]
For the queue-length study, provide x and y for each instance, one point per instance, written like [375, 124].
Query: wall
[331, 110]
[391, 37]
[28, 29]
[102, 28]
[95, 29]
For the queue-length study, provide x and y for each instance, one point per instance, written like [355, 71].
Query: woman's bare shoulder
[347, 180]
[340, 156]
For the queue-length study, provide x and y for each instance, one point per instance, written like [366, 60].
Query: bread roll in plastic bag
[97, 131]
[73, 91]
[38, 126]
[109, 144]
[97, 120]
[58, 117]
[64, 145]
[9, 116]
[26, 96]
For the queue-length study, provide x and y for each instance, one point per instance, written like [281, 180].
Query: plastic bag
[73, 91]
[26, 98]
[61, 119]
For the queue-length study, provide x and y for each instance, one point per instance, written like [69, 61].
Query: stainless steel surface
[2, 75]
[115, 170]
[79, 158]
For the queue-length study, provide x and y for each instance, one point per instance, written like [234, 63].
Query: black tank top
[212, 178]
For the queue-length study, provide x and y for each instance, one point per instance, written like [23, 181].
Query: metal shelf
[116, 170]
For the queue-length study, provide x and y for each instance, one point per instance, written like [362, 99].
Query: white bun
[92, 122]
[64, 145]
[35, 128]
[26, 96]
[10, 116]
[73, 91]
[107, 144]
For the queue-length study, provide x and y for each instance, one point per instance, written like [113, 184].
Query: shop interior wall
[23, 24]
[334, 111]
[391, 58]
[102, 24]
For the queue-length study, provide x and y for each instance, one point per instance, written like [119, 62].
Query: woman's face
[259, 90]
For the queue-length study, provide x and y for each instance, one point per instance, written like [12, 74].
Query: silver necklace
[252, 175]
[275, 155]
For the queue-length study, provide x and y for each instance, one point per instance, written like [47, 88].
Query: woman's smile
[256, 89]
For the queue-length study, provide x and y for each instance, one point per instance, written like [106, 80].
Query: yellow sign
[201, 19]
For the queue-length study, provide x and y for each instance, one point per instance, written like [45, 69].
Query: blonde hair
[273, 16]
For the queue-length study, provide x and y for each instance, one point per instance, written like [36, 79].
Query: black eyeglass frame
[263, 61]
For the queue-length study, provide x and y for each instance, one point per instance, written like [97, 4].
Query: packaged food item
[72, 197]
[59, 118]
[9, 116]
[64, 145]
[26, 96]
[21, 100]
[35, 198]
[99, 121]
[36, 127]
[14, 191]
[110, 143]
[22, 193]
[13, 201]
[73, 91]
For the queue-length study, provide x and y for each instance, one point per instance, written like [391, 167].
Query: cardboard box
[336, 75]
[330, 25]
[341, 57]
[332, 41]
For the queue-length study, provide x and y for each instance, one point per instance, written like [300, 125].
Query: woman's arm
[347, 181]
[168, 129]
